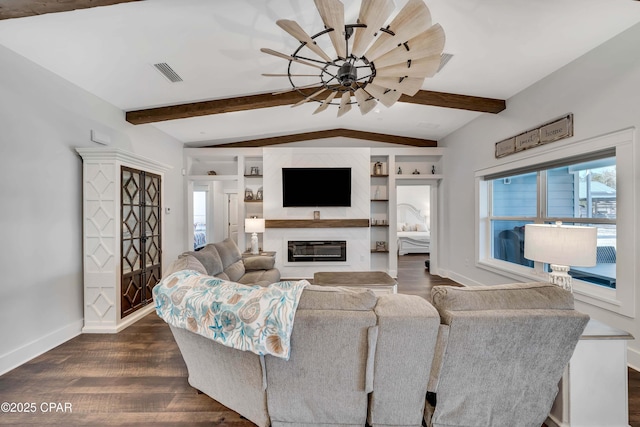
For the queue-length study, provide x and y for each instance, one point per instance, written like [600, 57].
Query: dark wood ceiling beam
[206, 108]
[331, 133]
[267, 100]
[23, 8]
[452, 100]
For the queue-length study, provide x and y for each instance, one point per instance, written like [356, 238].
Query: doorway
[200, 215]
[208, 212]
[416, 214]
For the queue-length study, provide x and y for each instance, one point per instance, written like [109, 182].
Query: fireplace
[317, 250]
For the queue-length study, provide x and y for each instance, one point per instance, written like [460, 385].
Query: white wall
[42, 119]
[602, 90]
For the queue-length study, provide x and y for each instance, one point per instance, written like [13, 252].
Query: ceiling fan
[371, 61]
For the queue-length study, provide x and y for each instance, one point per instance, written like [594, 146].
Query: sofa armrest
[259, 262]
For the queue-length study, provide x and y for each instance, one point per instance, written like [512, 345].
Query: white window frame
[620, 300]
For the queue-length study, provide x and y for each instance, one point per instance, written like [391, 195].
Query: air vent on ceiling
[444, 58]
[168, 72]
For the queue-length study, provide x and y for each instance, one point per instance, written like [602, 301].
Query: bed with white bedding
[413, 231]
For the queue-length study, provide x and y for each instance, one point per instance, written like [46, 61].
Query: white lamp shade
[254, 225]
[561, 244]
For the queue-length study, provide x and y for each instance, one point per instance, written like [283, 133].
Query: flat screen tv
[315, 187]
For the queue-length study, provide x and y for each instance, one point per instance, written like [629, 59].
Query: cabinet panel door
[141, 252]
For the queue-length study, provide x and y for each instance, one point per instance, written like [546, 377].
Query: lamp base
[254, 244]
[560, 276]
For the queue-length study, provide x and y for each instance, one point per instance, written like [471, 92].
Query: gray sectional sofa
[359, 359]
[224, 260]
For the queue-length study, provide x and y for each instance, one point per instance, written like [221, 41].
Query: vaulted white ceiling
[499, 48]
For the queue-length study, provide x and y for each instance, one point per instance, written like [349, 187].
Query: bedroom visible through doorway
[414, 220]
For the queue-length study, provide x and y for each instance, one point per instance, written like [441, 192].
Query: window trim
[620, 300]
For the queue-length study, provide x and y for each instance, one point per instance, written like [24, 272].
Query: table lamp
[561, 246]
[255, 226]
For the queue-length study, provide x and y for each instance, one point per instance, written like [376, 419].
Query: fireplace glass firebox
[317, 251]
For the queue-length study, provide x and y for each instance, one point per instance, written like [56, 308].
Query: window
[589, 182]
[582, 193]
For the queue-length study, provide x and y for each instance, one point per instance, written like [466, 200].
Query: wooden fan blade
[280, 92]
[308, 98]
[431, 42]
[365, 103]
[424, 67]
[292, 75]
[387, 97]
[373, 13]
[325, 103]
[409, 85]
[289, 57]
[428, 43]
[299, 34]
[332, 13]
[344, 104]
[412, 19]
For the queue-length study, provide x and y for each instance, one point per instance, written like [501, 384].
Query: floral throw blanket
[252, 318]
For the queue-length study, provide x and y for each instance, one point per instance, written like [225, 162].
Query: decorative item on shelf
[254, 225]
[433, 169]
[212, 173]
[259, 194]
[381, 246]
[406, 50]
[377, 168]
[248, 194]
[561, 246]
[399, 170]
[255, 170]
[374, 221]
[376, 195]
[415, 172]
[316, 215]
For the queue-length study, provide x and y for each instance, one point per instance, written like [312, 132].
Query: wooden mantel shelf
[316, 223]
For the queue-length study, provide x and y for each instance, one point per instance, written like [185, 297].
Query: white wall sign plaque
[549, 132]
[528, 139]
[506, 147]
[557, 130]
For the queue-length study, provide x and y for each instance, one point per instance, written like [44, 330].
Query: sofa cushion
[185, 262]
[259, 263]
[235, 271]
[515, 296]
[223, 276]
[209, 258]
[229, 252]
[261, 277]
[315, 297]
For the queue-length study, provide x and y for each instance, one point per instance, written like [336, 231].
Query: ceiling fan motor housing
[347, 74]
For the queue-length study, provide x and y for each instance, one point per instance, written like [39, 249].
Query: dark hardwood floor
[137, 377]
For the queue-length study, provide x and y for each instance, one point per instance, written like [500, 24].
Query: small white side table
[593, 390]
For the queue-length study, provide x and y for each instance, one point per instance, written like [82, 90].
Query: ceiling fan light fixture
[409, 49]
[347, 74]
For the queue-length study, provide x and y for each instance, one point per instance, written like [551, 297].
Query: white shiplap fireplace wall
[275, 239]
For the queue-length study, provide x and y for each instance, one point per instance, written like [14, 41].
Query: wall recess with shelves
[400, 166]
[379, 221]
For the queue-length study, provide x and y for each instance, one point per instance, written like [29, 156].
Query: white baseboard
[459, 278]
[21, 355]
[633, 359]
